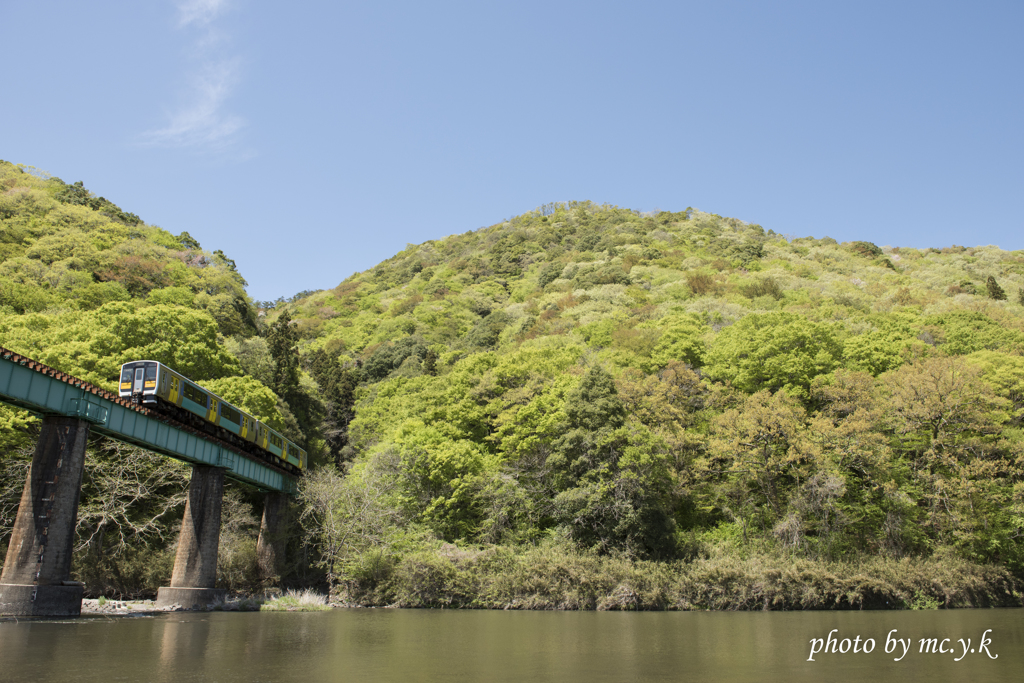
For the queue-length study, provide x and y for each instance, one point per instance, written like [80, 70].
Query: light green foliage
[875, 352]
[347, 518]
[963, 332]
[93, 344]
[15, 428]
[174, 296]
[774, 351]
[253, 356]
[599, 333]
[682, 339]
[62, 246]
[522, 429]
[1005, 374]
[441, 475]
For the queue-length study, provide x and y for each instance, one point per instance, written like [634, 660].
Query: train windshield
[126, 374]
[151, 372]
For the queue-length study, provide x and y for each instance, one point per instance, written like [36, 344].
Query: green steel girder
[44, 391]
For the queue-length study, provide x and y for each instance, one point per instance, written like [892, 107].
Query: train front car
[149, 383]
[139, 381]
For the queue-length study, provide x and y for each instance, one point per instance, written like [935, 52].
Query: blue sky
[312, 140]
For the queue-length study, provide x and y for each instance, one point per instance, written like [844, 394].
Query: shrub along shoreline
[556, 578]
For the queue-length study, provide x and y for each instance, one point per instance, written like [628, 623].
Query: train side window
[195, 395]
[229, 413]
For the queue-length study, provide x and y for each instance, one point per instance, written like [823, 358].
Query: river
[488, 646]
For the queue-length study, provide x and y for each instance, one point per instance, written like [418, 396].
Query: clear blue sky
[313, 140]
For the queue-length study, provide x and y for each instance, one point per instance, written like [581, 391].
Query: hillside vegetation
[582, 406]
[672, 387]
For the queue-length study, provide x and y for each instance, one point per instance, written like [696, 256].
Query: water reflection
[434, 645]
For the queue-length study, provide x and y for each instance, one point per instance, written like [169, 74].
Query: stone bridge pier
[194, 579]
[273, 540]
[36, 579]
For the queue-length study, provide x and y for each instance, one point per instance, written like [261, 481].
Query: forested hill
[86, 286]
[654, 383]
[578, 384]
[61, 246]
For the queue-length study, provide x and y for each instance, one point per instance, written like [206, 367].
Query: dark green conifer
[283, 342]
[994, 290]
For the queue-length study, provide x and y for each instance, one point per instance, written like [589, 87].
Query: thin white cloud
[200, 12]
[203, 121]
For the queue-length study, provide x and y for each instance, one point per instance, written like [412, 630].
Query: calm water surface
[485, 646]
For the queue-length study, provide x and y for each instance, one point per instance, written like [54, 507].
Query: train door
[139, 378]
[175, 390]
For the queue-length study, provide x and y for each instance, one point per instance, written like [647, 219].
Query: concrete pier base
[273, 540]
[195, 563]
[40, 601]
[38, 563]
[189, 598]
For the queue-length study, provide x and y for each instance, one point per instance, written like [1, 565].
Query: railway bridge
[36, 578]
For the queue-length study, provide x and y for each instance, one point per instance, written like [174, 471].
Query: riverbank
[551, 578]
[554, 577]
[289, 601]
[106, 607]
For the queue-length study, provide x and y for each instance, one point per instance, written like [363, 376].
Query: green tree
[777, 350]
[338, 390]
[612, 481]
[960, 332]
[994, 290]
[875, 352]
[188, 242]
[946, 421]
[763, 447]
[282, 342]
[441, 478]
[94, 344]
[933, 404]
[682, 339]
[347, 517]
[1004, 372]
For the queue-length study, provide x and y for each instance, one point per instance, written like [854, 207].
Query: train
[153, 384]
